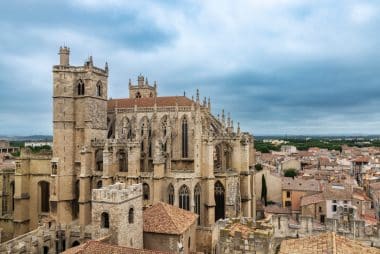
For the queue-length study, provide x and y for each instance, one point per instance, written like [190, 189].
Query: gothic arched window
[80, 87]
[105, 220]
[171, 194]
[184, 199]
[99, 88]
[131, 215]
[44, 196]
[219, 201]
[146, 191]
[185, 152]
[197, 202]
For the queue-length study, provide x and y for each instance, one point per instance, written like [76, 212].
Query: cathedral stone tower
[142, 89]
[79, 120]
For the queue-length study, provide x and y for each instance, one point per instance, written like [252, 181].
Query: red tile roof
[298, 184]
[312, 199]
[361, 159]
[98, 247]
[164, 101]
[167, 219]
[325, 243]
[275, 209]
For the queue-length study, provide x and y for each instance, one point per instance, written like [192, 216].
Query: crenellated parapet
[117, 193]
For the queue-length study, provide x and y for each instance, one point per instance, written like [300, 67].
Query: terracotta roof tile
[163, 101]
[277, 209]
[338, 192]
[325, 243]
[312, 199]
[298, 184]
[167, 219]
[97, 247]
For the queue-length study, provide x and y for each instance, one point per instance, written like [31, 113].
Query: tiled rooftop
[97, 247]
[163, 101]
[167, 219]
[312, 199]
[298, 184]
[325, 243]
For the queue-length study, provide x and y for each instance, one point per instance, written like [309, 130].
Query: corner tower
[142, 89]
[79, 118]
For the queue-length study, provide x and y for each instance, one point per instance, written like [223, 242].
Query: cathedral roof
[167, 219]
[163, 101]
[98, 247]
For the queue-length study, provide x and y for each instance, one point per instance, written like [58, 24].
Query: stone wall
[117, 201]
[46, 238]
[244, 236]
[286, 227]
[273, 182]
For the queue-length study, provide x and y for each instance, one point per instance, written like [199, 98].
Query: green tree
[258, 167]
[263, 190]
[290, 172]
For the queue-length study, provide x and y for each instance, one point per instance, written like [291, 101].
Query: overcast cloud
[279, 67]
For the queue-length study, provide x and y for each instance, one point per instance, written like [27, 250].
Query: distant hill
[27, 138]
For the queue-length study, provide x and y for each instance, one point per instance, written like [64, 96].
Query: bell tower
[79, 117]
[143, 89]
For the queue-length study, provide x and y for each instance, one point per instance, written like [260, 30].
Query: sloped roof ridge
[167, 211]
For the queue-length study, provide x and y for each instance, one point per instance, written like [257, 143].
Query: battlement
[80, 69]
[117, 193]
[64, 64]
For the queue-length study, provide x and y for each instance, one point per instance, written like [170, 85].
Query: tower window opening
[80, 87]
[105, 220]
[99, 89]
[131, 215]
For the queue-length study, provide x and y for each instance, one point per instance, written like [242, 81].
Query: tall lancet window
[99, 88]
[185, 150]
[197, 202]
[80, 87]
[184, 199]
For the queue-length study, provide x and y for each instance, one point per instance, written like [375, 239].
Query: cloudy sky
[279, 66]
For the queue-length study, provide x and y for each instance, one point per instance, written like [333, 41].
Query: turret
[142, 89]
[64, 56]
[140, 80]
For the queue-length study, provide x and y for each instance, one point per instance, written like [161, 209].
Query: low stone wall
[286, 227]
[45, 239]
[245, 236]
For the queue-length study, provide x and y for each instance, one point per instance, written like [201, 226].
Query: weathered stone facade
[245, 236]
[123, 206]
[286, 227]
